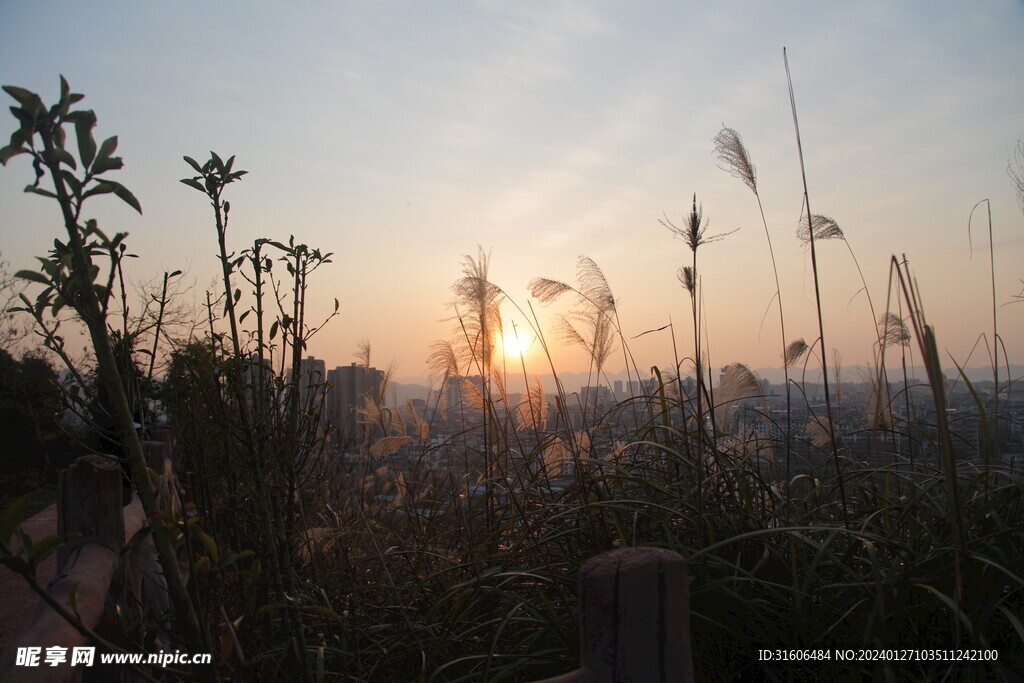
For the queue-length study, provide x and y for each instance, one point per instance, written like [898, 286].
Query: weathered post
[89, 505]
[88, 508]
[635, 618]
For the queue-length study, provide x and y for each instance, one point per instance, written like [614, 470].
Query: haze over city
[401, 136]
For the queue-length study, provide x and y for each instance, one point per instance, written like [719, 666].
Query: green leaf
[61, 108]
[98, 188]
[19, 138]
[108, 147]
[86, 143]
[10, 151]
[45, 547]
[118, 189]
[24, 116]
[127, 197]
[58, 303]
[209, 544]
[231, 559]
[104, 164]
[26, 98]
[273, 330]
[217, 160]
[64, 157]
[72, 181]
[40, 191]
[14, 515]
[192, 182]
[192, 162]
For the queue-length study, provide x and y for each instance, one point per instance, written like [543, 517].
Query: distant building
[595, 397]
[312, 375]
[463, 392]
[347, 387]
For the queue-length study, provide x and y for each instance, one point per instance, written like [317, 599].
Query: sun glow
[516, 342]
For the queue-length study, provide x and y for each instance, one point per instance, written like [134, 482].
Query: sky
[401, 135]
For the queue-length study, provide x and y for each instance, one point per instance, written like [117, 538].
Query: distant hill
[418, 387]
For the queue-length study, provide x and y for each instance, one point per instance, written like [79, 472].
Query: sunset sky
[402, 135]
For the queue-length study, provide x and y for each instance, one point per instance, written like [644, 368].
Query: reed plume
[734, 157]
[532, 407]
[824, 227]
[738, 382]
[478, 307]
[420, 427]
[685, 277]
[893, 331]
[1015, 169]
[796, 349]
[820, 431]
[594, 324]
[878, 409]
[694, 230]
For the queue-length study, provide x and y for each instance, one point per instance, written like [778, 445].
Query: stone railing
[634, 618]
[100, 575]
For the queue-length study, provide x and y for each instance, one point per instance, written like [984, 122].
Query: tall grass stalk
[993, 451]
[731, 151]
[817, 295]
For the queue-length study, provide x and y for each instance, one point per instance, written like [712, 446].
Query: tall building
[595, 397]
[312, 375]
[347, 387]
[464, 392]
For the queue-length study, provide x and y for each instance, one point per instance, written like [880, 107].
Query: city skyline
[400, 139]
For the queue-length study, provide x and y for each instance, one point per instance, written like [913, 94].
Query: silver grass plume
[442, 361]
[592, 326]
[546, 290]
[420, 428]
[599, 338]
[893, 331]
[362, 353]
[796, 349]
[593, 288]
[694, 231]
[498, 386]
[879, 402]
[738, 382]
[532, 408]
[593, 284]
[471, 396]
[825, 228]
[1015, 169]
[388, 445]
[477, 303]
[555, 458]
[818, 432]
[685, 276]
[734, 157]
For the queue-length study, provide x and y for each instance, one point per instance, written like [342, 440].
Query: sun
[516, 342]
